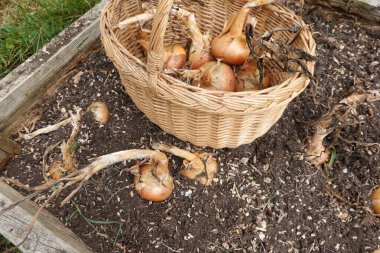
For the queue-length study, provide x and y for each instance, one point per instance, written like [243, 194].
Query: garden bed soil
[265, 198]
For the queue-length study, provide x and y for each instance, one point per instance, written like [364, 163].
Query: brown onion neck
[238, 22]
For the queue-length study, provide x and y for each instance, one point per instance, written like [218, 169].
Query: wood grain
[49, 235]
[367, 9]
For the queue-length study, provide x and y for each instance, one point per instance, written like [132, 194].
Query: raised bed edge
[21, 89]
[49, 235]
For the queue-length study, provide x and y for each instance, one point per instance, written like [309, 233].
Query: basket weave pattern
[205, 118]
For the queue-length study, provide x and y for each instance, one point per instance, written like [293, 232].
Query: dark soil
[266, 197]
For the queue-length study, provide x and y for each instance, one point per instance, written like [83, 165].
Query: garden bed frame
[23, 88]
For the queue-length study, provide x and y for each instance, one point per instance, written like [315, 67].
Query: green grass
[5, 244]
[26, 25]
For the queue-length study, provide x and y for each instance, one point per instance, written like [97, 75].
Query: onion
[375, 197]
[200, 50]
[174, 55]
[56, 170]
[214, 76]
[231, 45]
[153, 181]
[201, 167]
[99, 111]
[249, 77]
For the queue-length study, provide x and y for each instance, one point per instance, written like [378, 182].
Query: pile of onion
[210, 59]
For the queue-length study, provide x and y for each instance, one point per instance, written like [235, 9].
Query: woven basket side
[205, 118]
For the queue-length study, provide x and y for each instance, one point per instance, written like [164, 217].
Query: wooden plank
[21, 89]
[368, 9]
[4, 157]
[8, 148]
[8, 145]
[49, 235]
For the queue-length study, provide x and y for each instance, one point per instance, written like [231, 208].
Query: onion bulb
[174, 55]
[375, 197]
[200, 50]
[153, 181]
[201, 167]
[213, 76]
[231, 45]
[56, 170]
[249, 77]
[99, 111]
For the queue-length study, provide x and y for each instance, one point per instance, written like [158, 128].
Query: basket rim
[167, 82]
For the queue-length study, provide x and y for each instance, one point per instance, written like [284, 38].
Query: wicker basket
[205, 118]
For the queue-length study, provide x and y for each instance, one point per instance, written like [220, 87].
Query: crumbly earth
[265, 198]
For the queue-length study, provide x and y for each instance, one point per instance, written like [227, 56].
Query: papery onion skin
[56, 170]
[217, 76]
[375, 197]
[231, 46]
[202, 170]
[174, 57]
[154, 183]
[198, 57]
[200, 49]
[232, 50]
[249, 77]
[100, 111]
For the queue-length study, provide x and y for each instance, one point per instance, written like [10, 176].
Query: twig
[365, 144]
[277, 51]
[68, 155]
[339, 197]
[171, 249]
[15, 203]
[125, 187]
[47, 129]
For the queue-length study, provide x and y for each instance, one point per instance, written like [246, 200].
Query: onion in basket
[213, 75]
[249, 77]
[200, 50]
[231, 45]
[174, 55]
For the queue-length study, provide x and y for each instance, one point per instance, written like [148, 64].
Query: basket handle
[156, 43]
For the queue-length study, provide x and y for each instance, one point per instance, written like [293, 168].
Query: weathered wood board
[8, 148]
[49, 235]
[368, 9]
